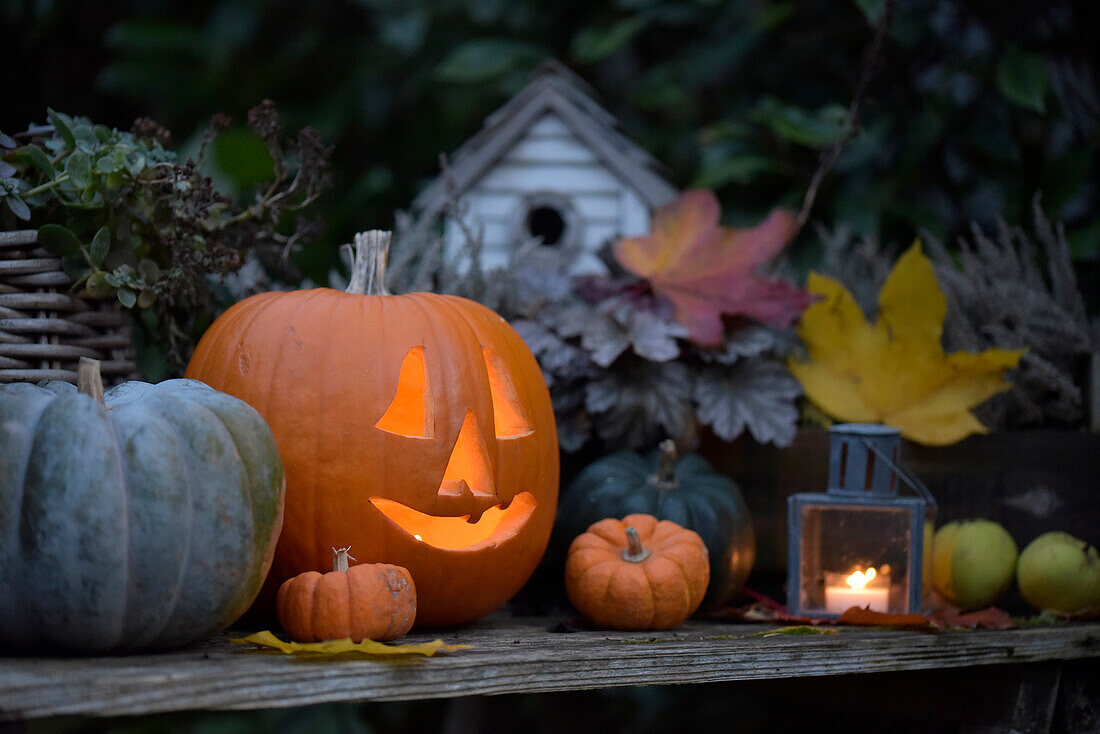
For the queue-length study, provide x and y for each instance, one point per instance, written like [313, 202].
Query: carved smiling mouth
[457, 533]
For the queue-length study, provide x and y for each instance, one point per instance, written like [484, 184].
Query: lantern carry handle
[906, 476]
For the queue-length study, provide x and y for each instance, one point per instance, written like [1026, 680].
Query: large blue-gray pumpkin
[147, 520]
[685, 490]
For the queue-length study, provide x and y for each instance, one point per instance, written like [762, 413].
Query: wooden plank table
[508, 655]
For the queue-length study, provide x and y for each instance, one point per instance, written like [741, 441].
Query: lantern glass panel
[855, 555]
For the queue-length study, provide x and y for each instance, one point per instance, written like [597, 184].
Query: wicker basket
[44, 329]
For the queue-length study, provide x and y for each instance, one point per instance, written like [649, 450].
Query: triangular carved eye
[410, 413]
[508, 413]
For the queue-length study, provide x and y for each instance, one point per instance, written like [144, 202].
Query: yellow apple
[974, 562]
[1061, 573]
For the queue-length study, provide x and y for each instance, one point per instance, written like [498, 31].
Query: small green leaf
[873, 9]
[1022, 79]
[113, 181]
[58, 240]
[101, 245]
[136, 164]
[813, 129]
[18, 207]
[485, 59]
[772, 16]
[243, 156]
[97, 286]
[127, 297]
[85, 137]
[75, 266]
[149, 271]
[79, 167]
[1084, 243]
[115, 160]
[32, 155]
[593, 44]
[62, 124]
[740, 169]
[146, 298]
[6, 141]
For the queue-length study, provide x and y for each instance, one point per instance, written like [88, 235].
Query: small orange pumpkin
[637, 573]
[371, 601]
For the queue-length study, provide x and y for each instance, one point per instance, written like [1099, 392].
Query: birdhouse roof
[557, 91]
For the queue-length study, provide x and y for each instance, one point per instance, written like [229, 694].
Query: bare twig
[830, 156]
[457, 210]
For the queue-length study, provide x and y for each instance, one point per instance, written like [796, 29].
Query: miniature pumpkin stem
[88, 379]
[340, 559]
[368, 268]
[665, 478]
[635, 552]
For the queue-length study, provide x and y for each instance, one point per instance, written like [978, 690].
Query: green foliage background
[975, 105]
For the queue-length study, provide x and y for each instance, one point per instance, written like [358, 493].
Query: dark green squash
[144, 518]
[686, 491]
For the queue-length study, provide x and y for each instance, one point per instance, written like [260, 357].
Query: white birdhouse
[549, 164]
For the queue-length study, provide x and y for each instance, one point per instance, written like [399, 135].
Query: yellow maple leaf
[344, 647]
[895, 371]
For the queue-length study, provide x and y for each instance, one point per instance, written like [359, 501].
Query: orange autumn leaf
[870, 618]
[895, 371]
[938, 620]
[707, 270]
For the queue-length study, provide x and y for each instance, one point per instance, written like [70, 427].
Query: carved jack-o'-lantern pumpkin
[416, 428]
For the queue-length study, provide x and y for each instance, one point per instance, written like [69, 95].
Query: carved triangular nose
[467, 485]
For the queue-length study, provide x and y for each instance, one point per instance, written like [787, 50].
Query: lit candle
[838, 599]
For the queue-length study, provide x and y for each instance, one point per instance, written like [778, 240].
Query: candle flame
[859, 579]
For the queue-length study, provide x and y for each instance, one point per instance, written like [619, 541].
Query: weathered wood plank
[508, 656]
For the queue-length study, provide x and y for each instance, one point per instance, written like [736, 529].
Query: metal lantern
[859, 544]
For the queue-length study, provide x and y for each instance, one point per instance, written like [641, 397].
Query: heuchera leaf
[757, 394]
[343, 647]
[632, 404]
[895, 371]
[707, 270]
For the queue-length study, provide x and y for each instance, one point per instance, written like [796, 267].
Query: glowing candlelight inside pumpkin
[857, 593]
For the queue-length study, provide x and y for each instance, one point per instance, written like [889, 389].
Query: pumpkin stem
[340, 559]
[88, 379]
[368, 267]
[665, 478]
[635, 552]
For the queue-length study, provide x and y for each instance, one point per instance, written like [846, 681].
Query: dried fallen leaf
[759, 612]
[801, 629]
[991, 618]
[368, 648]
[896, 371]
[707, 270]
[869, 618]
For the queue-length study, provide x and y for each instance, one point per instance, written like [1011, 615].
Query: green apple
[1061, 573]
[973, 562]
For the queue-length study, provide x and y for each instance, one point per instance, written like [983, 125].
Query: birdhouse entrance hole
[546, 222]
[549, 216]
